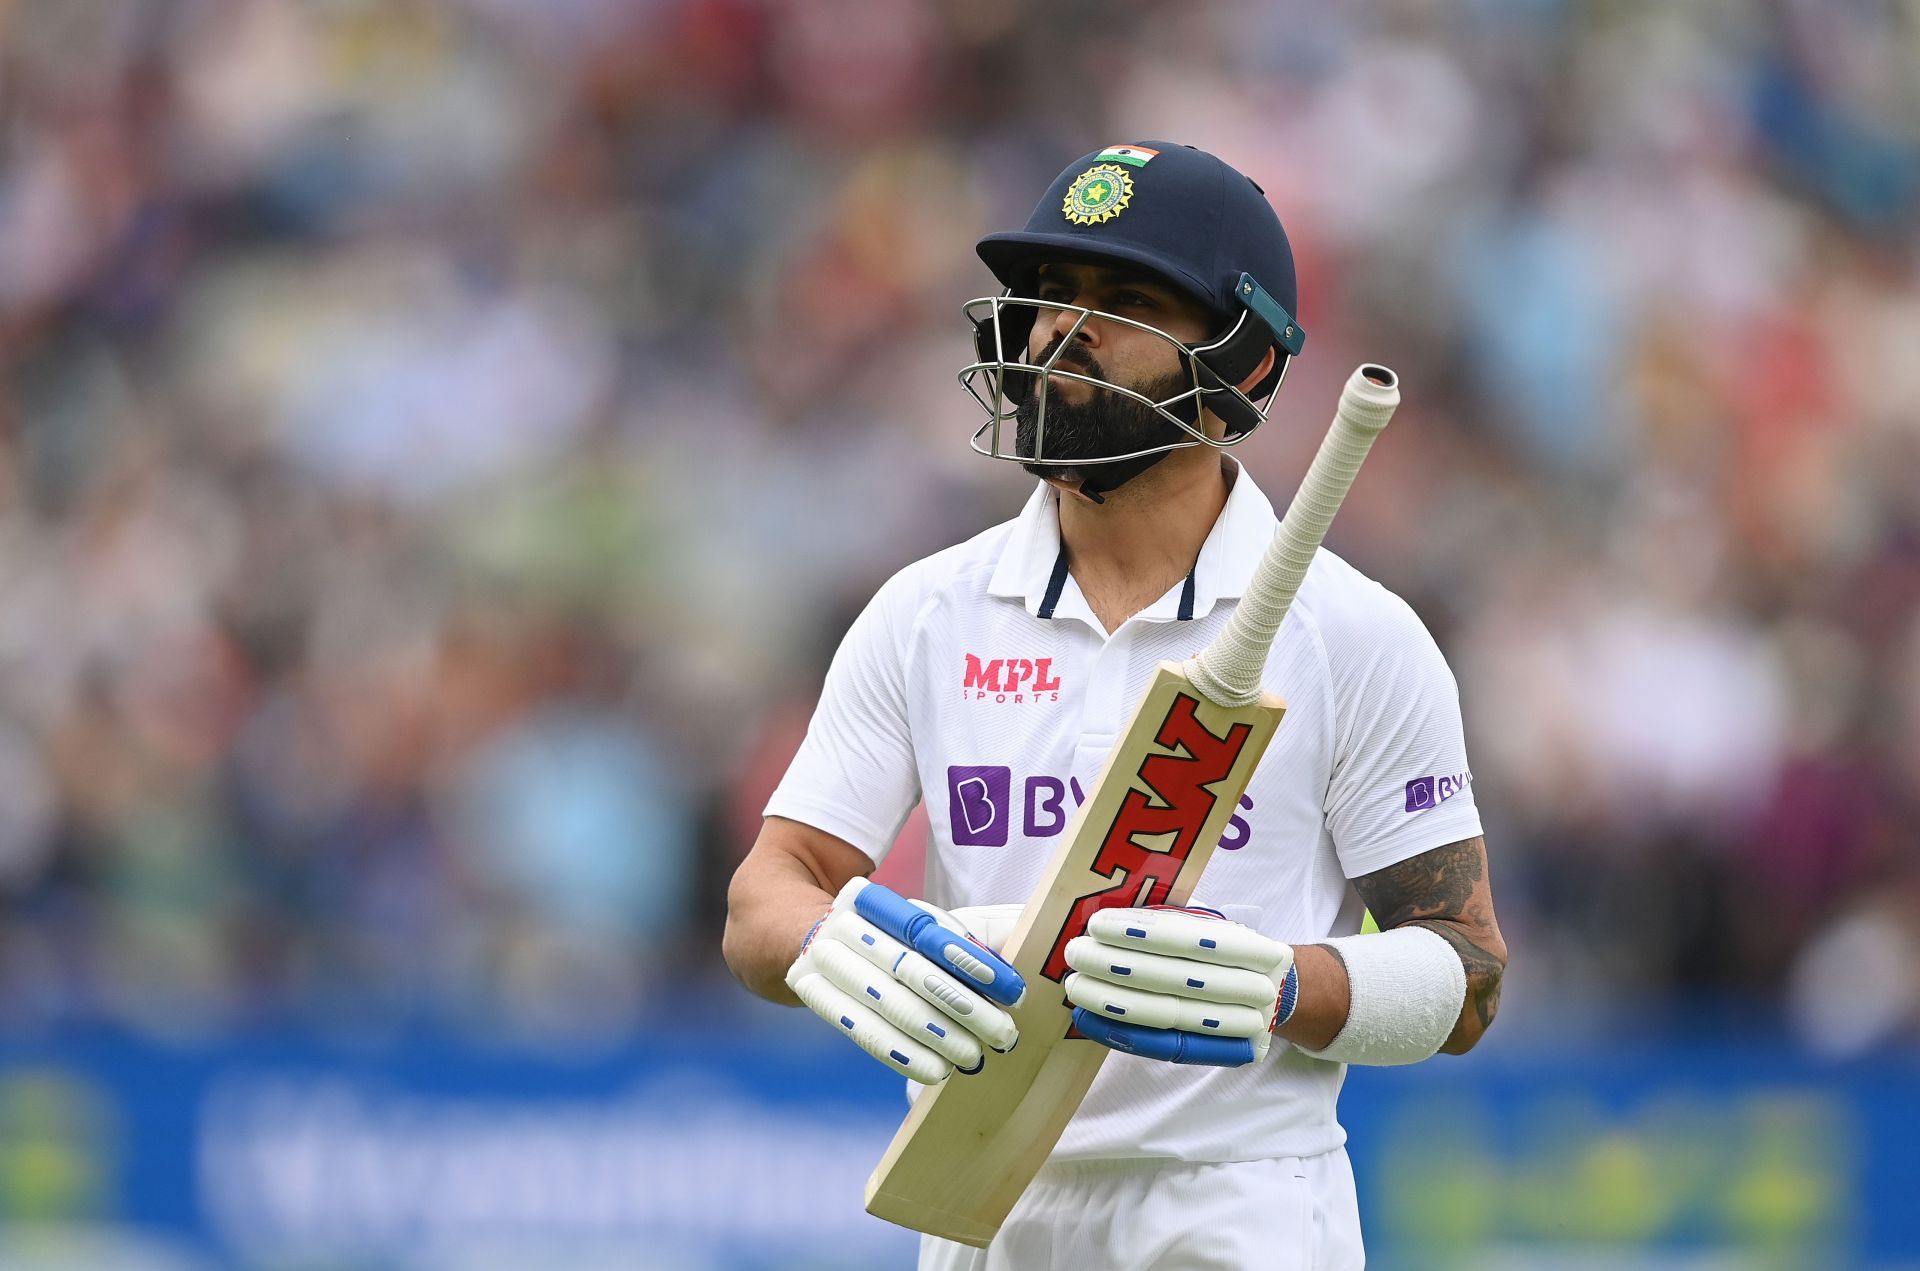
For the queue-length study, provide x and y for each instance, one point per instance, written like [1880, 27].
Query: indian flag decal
[1132, 156]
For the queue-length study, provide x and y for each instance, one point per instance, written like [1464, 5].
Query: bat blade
[973, 1143]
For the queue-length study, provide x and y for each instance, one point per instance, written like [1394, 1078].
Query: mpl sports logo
[1431, 792]
[1009, 680]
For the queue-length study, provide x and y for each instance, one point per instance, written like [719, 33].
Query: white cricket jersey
[979, 680]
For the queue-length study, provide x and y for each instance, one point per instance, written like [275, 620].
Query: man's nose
[1065, 320]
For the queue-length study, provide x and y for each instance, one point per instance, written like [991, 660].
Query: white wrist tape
[1407, 987]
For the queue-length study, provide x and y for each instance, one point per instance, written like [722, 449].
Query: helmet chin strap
[1100, 479]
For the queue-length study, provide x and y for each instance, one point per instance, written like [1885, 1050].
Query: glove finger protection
[920, 927]
[866, 968]
[1161, 1010]
[1180, 977]
[1168, 1044]
[1186, 986]
[868, 1030]
[945, 998]
[1202, 935]
[898, 1004]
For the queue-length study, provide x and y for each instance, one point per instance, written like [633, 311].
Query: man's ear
[1218, 428]
[1259, 372]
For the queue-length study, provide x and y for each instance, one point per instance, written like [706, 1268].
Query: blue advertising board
[287, 1149]
[1666, 1155]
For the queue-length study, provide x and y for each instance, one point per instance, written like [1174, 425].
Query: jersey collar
[1029, 559]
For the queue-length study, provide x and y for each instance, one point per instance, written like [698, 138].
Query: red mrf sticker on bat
[1179, 805]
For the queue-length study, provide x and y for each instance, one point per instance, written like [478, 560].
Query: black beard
[1106, 424]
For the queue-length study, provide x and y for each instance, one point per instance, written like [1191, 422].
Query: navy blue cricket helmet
[1181, 215]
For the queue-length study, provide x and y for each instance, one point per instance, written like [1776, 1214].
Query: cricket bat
[972, 1144]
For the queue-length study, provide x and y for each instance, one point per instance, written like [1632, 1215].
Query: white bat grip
[1229, 671]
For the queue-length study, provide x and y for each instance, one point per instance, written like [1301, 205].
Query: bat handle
[1230, 670]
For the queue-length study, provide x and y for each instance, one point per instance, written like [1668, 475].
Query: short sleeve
[854, 775]
[1400, 782]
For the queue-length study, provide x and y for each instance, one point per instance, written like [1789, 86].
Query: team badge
[1099, 194]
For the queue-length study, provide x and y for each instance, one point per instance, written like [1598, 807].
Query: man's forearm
[1449, 891]
[1326, 995]
[771, 904]
[1485, 967]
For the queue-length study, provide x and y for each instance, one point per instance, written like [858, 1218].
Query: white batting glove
[1184, 985]
[907, 982]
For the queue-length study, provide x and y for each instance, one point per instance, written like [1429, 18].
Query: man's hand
[1184, 985]
[907, 983]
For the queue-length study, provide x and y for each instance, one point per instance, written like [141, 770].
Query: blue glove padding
[1169, 1044]
[973, 963]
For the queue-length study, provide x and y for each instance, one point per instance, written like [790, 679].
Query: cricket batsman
[1147, 319]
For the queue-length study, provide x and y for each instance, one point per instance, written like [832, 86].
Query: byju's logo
[1009, 680]
[982, 811]
[977, 803]
[1427, 792]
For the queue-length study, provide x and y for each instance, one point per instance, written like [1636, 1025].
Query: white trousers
[1295, 1213]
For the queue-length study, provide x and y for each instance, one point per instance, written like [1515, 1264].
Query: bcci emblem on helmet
[1099, 194]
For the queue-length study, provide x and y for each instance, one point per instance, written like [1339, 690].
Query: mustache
[1078, 358]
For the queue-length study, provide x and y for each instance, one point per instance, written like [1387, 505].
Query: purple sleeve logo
[1419, 794]
[1427, 792]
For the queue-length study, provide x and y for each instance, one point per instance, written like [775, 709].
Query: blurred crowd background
[443, 440]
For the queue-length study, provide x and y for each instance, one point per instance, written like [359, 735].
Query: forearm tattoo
[1446, 891]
